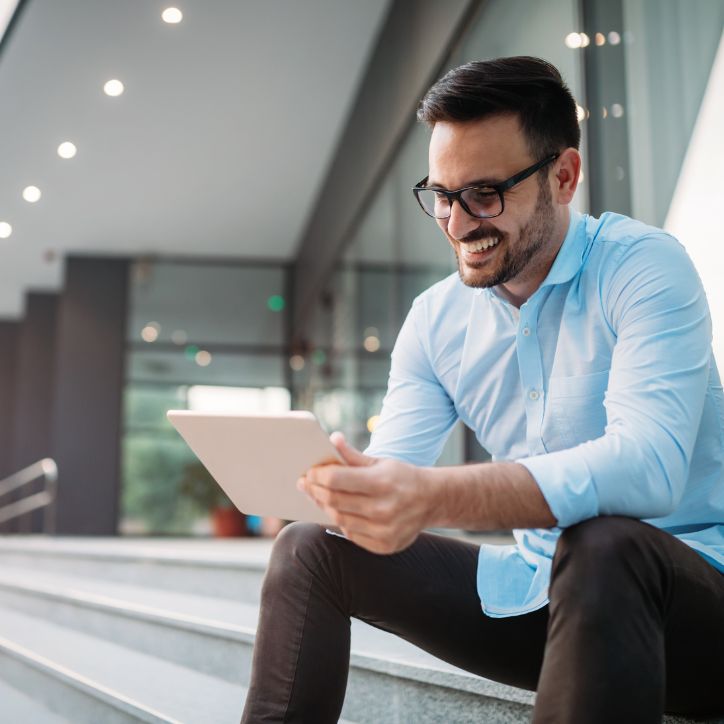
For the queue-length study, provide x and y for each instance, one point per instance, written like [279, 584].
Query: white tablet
[258, 459]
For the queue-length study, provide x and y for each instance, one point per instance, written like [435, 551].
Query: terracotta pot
[228, 523]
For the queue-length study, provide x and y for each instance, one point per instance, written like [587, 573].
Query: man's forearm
[487, 496]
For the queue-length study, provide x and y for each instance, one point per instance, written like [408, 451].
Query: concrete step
[85, 679]
[216, 638]
[18, 708]
[389, 678]
[211, 635]
[227, 569]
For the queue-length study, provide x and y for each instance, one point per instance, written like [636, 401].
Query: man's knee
[296, 549]
[594, 558]
[297, 537]
[600, 539]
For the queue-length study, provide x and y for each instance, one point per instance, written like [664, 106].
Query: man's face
[518, 241]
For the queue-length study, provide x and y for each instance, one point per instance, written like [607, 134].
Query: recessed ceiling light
[31, 194]
[5, 229]
[113, 88]
[172, 16]
[67, 149]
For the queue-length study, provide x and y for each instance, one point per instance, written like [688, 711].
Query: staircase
[122, 630]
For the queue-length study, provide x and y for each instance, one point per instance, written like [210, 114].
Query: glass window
[670, 46]
[203, 303]
[208, 336]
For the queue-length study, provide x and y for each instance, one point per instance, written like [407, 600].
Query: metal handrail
[46, 469]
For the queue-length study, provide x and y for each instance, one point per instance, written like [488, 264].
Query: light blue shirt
[603, 385]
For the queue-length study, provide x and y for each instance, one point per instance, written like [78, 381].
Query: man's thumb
[349, 454]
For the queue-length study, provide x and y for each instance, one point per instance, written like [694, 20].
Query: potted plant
[198, 485]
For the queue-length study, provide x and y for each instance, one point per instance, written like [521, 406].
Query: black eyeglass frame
[501, 188]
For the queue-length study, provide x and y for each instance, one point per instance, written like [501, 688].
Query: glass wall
[675, 82]
[200, 336]
[670, 50]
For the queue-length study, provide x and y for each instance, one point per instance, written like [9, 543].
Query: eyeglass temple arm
[523, 175]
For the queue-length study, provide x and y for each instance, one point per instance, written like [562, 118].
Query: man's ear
[567, 172]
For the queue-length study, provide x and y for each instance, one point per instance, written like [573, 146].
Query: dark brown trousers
[635, 624]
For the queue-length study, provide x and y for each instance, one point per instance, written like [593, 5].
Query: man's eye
[483, 195]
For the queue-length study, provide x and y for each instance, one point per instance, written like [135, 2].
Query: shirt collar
[570, 256]
[568, 261]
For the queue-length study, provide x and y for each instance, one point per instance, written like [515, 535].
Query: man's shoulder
[612, 231]
[619, 246]
[630, 260]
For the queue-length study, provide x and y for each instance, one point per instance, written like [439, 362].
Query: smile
[482, 245]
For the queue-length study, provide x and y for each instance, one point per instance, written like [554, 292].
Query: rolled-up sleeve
[417, 413]
[655, 305]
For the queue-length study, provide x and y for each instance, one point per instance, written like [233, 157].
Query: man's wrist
[435, 484]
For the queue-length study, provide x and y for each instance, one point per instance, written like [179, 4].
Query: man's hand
[380, 504]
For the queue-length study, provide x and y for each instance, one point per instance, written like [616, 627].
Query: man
[579, 351]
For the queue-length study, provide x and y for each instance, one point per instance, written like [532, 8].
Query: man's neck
[519, 290]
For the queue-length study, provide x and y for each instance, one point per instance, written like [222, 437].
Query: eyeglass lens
[481, 202]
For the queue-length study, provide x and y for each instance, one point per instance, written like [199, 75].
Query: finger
[345, 503]
[349, 454]
[362, 480]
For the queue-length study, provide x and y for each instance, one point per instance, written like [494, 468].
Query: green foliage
[153, 467]
[198, 485]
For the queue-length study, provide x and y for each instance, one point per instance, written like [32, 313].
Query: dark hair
[529, 87]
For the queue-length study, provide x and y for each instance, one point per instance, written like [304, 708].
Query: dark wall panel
[34, 392]
[35, 380]
[8, 355]
[89, 377]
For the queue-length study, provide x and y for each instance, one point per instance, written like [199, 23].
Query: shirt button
[526, 331]
[534, 395]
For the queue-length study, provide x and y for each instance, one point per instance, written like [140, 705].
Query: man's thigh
[427, 594]
[694, 634]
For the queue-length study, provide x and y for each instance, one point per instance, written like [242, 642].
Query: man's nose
[460, 223]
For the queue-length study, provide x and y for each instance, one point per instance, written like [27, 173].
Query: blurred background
[207, 205]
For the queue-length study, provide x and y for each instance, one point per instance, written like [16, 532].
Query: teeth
[482, 244]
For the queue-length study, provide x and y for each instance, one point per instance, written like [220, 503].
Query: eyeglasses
[482, 202]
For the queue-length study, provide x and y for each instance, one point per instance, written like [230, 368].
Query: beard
[518, 258]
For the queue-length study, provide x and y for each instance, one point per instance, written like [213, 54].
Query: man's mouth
[475, 247]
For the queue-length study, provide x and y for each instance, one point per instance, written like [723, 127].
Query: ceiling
[218, 146]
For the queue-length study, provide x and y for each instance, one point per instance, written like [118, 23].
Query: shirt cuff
[566, 483]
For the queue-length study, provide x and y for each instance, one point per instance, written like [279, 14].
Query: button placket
[531, 370]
